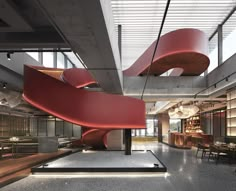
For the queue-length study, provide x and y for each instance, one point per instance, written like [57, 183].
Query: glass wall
[13, 125]
[48, 59]
[228, 42]
[34, 55]
[229, 37]
[213, 53]
[207, 123]
[57, 59]
[175, 125]
[60, 60]
[54, 59]
[150, 131]
[150, 127]
[37, 126]
[214, 123]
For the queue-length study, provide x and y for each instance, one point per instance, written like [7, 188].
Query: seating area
[217, 151]
[203, 148]
[13, 146]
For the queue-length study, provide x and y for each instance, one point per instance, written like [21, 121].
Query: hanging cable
[158, 38]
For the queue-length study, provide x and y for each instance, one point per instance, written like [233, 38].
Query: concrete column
[114, 140]
[163, 127]
[220, 44]
[119, 40]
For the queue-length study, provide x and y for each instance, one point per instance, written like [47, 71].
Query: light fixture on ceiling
[183, 111]
[4, 85]
[3, 102]
[9, 56]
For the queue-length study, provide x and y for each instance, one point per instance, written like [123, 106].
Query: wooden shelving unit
[231, 113]
[192, 125]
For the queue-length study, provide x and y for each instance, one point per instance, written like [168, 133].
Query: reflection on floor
[185, 172]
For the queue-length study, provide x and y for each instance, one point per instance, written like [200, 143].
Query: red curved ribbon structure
[60, 93]
[184, 49]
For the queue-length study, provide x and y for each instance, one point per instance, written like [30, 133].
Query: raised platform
[104, 161]
[12, 169]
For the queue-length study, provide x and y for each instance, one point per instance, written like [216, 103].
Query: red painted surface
[96, 138]
[78, 77]
[184, 48]
[46, 90]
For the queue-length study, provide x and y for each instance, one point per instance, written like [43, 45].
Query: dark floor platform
[104, 161]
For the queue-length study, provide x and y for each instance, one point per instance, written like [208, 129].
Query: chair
[204, 148]
[216, 152]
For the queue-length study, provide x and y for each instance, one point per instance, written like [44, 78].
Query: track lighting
[4, 85]
[8, 56]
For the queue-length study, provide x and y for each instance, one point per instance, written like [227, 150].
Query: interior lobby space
[185, 172]
[118, 95]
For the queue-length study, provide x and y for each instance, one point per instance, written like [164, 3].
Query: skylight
[141, 20]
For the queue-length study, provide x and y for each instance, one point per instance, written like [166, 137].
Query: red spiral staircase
[184, 50]
[61, 93]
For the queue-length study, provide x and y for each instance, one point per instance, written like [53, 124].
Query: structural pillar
[119, 41]
[220, 44]
[159, 126]
[115, 140]
[128, 140]
[163, 127]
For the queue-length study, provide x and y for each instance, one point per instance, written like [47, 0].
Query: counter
[186, 140]
[180, 140]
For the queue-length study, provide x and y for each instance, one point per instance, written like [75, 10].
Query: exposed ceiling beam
[87, 26]
[37, 39]
[164, 87]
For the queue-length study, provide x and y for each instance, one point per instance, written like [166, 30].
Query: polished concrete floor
[185, 173]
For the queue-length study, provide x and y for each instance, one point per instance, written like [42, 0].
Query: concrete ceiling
[26, 27]
[66, 24]
[141, 21]
[11, 85]
[87, 28]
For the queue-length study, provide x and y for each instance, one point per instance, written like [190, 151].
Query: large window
[175, 125]
[69, 65]
[34, 55]
[214, 123]
[151, 129]
[207, 123]
[48, 59]
[60, 60]
[229, 37]
[213, 53]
